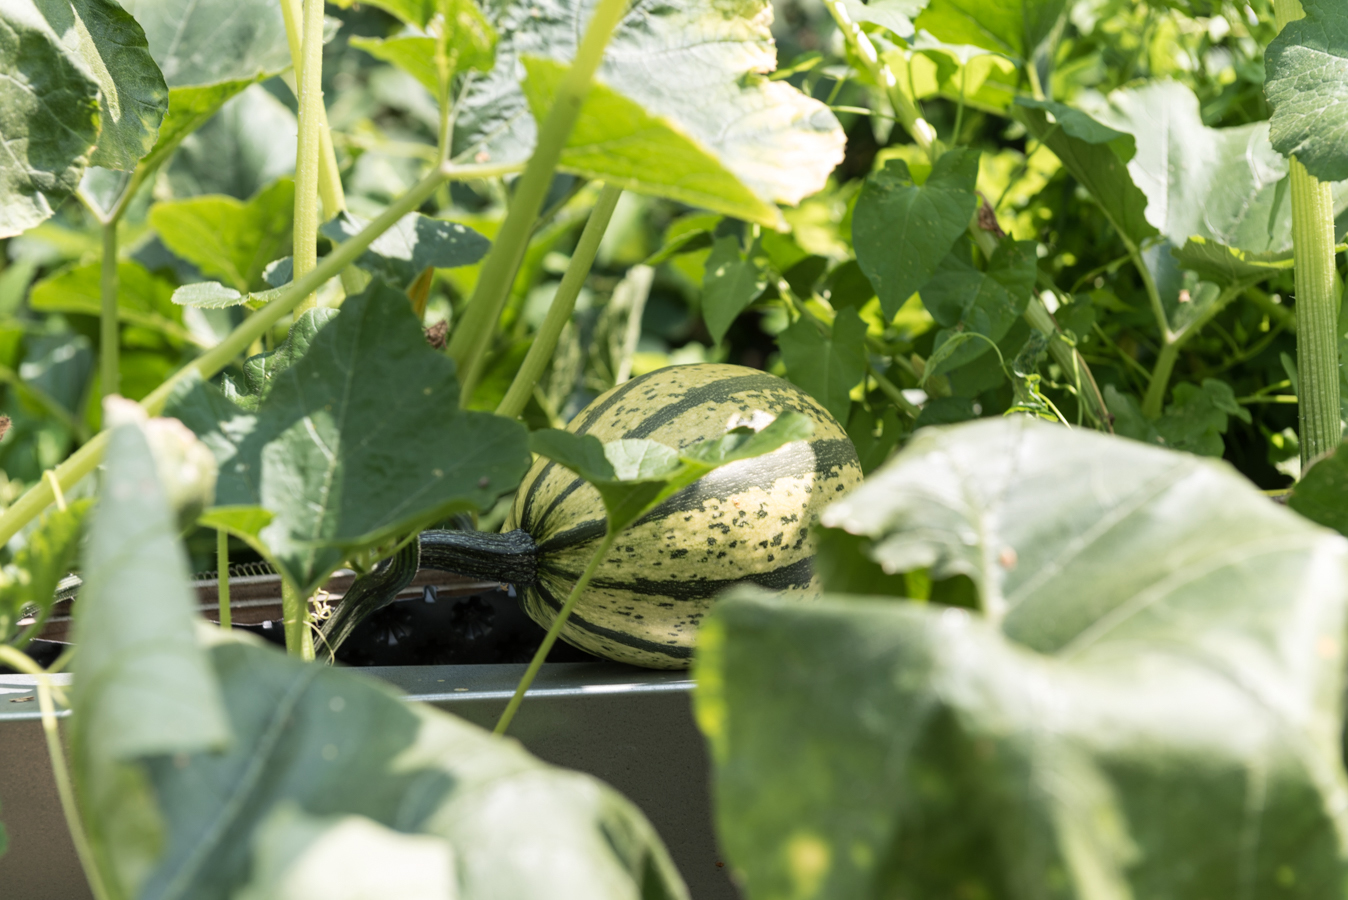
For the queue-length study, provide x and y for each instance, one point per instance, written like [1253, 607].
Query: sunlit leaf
[143, 684]
[143, 299]
[49, 118]
[1157, 676]
[903, 230]
[226, 237]
[1016, 29]
[29, 582]
[722, 135]
[1307, 66]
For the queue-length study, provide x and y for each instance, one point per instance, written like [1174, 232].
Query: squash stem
[559, 313]
[468, 344]
[309, 145]
[600, 554]
[66, 792]
[1317, 302]
[295, 613]
[222, 578]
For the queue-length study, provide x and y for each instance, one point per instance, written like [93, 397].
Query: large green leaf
[731, 280]
[974, 301]
[1307, 66]
[359, 440]
[208, 50]
[328, 786]
[826, 367]
[903, 230]
[1149, 707]
[1097, 156]
[1227, 265]
[132, 95]
[1013, 28]
[229, 238]
[703, 126]
[209, 42]
[1222, 184]
[339, 750]
[28, 584]
[49, 117]
[469, 40]
[143, 686]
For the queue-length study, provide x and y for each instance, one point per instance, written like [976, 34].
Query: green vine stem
[222, 579]
[559, 313]
[109, 330]
[1317, 306]
[295, 613]
[309, 145]
[600, 553]
[468, 344]
[66, 792]
[905, 110]
[1166, 358]
[86, 459]
[1317, 311]
[329, 176]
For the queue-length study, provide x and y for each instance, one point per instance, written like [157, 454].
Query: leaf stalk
[600, 553]
[559, 313]
[468, 344]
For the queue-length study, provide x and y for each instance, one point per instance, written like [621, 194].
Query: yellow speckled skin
[748, 521]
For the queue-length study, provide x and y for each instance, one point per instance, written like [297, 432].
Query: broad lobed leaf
[1153, 694]
[1307, 71]
[341, 452]
[676, 77]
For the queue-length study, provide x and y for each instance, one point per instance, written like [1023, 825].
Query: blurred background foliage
[642, 308]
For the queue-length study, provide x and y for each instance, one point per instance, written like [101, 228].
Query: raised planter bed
[630, 727]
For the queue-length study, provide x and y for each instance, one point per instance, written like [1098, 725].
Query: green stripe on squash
[746, 522]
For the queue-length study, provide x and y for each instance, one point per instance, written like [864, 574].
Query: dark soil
[428, 630]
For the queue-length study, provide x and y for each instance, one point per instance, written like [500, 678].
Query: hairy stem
[84, 460]
[66, 791]
[559, 313]
[329, 176]
[600, 553]
[309, 145]
[1317, 310]
[469, 342]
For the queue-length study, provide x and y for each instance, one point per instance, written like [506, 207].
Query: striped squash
[749, 521]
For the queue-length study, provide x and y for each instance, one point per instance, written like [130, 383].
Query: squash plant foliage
[364, 252]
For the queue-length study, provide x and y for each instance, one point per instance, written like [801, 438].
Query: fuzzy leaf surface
[359, 439]
[1157, 631]
[1307, 85]
[49, 118]
[681, 80]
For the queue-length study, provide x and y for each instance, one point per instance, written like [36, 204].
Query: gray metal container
[632, 728]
